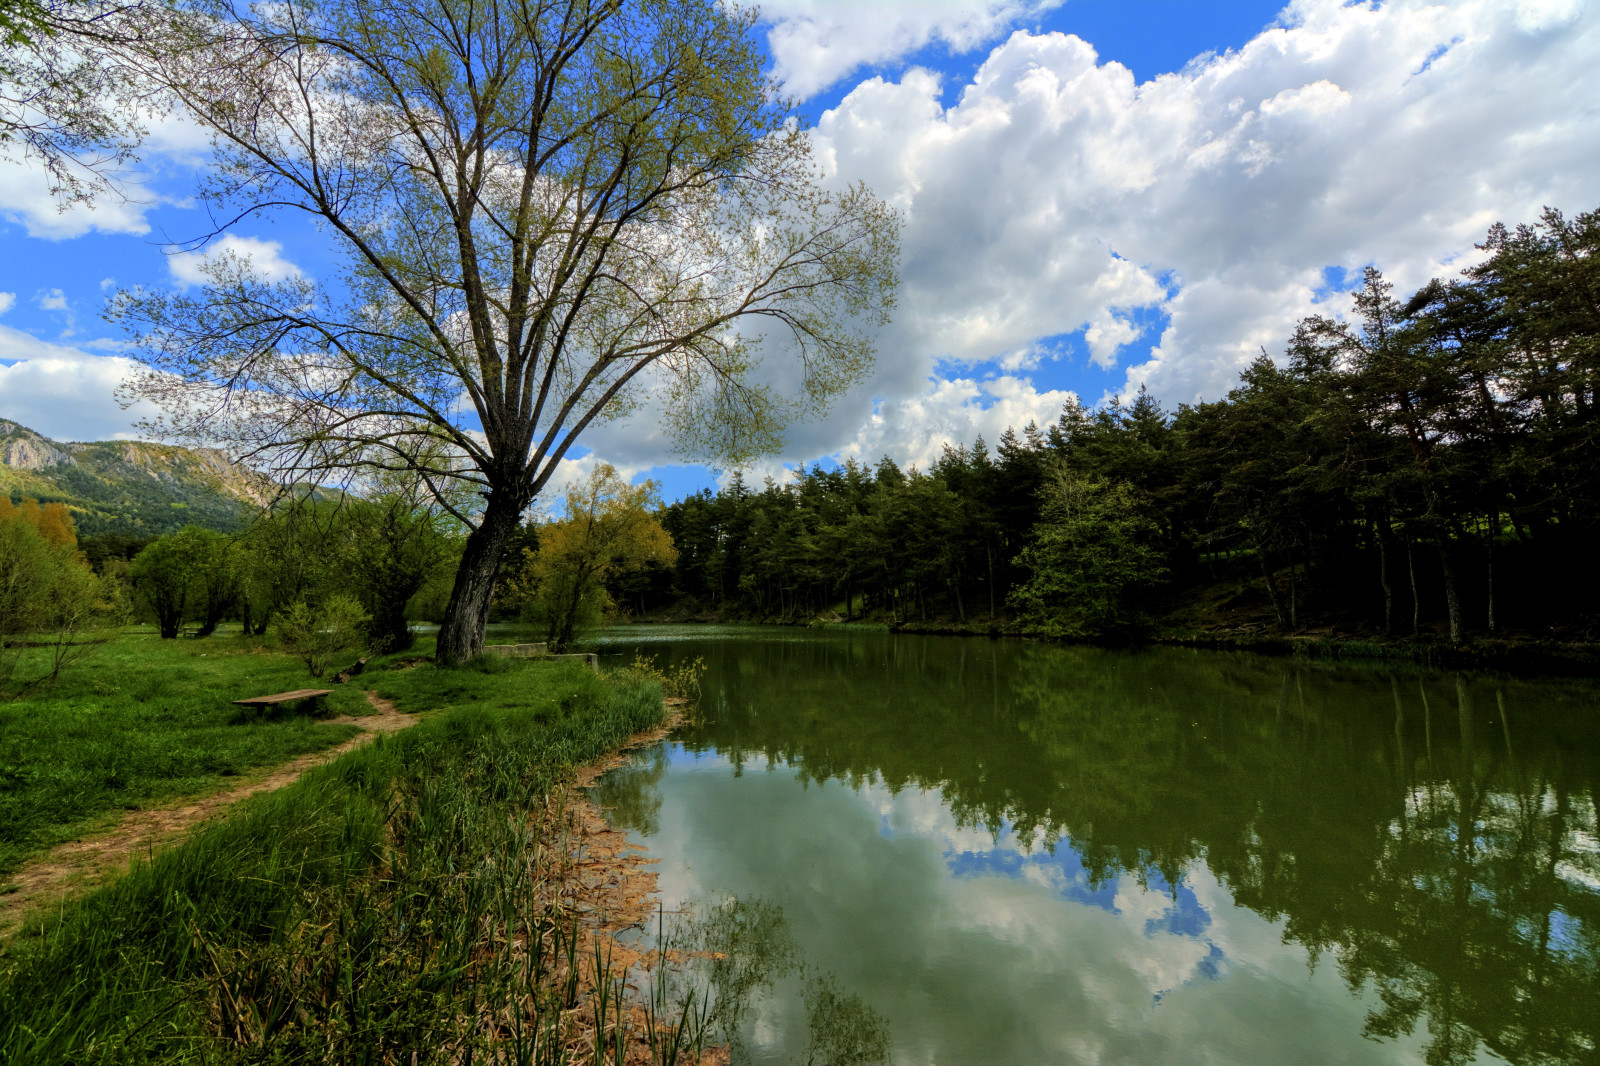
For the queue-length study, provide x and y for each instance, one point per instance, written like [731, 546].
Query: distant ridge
[129, 487]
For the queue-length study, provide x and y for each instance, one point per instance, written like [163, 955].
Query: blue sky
[1096, 195]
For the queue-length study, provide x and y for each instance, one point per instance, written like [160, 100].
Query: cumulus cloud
[189, 268]
[8, 300]
[815, 43]
[1058, 194]
[62, 392]
[914, 430]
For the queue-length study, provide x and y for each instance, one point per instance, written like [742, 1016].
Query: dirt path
[79, 865]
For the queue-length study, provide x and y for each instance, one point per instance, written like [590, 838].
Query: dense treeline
[1426, 462]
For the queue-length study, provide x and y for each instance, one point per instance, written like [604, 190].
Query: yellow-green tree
[609, 528]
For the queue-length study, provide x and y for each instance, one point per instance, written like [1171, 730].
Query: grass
[381, 909]
[144, 720]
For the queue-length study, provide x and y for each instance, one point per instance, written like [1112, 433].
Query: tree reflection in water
[1434, 835]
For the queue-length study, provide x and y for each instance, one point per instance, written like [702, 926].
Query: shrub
[318, 636]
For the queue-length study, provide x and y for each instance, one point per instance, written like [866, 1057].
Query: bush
[318, 636]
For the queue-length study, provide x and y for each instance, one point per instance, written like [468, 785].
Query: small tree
[610, 528]
[48, 594]
[1095, 552]
[283, 559]
[188, 574]
[320, 635]
[216, 577]
[392, 545]
[161, 582]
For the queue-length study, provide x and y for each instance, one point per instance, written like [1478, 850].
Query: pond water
[1000, 852]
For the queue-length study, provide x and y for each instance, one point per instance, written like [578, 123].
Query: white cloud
[172, 142]
[25, 199]
[1058, 194]
[62, 392]
[814, 43]
[188, 268]
[1535, 16]
[571, 471]
[8, 300]
[914, 430]
[52, 300]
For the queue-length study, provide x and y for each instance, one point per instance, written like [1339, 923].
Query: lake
[957, 850]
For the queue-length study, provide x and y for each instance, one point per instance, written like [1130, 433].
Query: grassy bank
[141, 721]
[371, 912]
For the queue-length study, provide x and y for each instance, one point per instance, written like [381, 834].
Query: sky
[1096, 195]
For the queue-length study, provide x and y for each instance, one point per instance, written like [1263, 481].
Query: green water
[1014, 853]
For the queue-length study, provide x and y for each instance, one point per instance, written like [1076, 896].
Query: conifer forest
[1428, 465]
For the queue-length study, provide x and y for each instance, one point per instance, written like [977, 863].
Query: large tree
[553, 211]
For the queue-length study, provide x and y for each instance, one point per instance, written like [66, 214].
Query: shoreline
[1523, 657]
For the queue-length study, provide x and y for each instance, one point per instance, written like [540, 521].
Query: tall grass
[383, 909]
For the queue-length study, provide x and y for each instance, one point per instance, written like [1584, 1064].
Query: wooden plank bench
[312, 694]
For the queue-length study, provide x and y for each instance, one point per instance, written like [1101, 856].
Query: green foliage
[1095, 553]
[188, 575]
[270, 936]
[320, 635]
[384, 551]
[680, 679]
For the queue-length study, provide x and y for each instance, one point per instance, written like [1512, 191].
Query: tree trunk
[1416, 600]
[461, 635]
[1452, 599]
[1272, 589]
[1383, 579]
[1294, 595]
[988, 551]
[1494, 521]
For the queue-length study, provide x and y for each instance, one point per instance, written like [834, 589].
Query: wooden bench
[312, 694]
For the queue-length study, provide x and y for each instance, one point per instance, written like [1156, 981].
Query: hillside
[129, 487]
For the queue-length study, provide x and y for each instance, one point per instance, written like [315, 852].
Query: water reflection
[735, 950]
[1428, 842]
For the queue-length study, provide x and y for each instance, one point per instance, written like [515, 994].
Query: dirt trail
[79, 865]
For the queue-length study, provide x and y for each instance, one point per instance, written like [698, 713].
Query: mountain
[129, 487]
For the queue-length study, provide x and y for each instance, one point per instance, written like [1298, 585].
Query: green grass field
[369, 912]
[144, 720]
